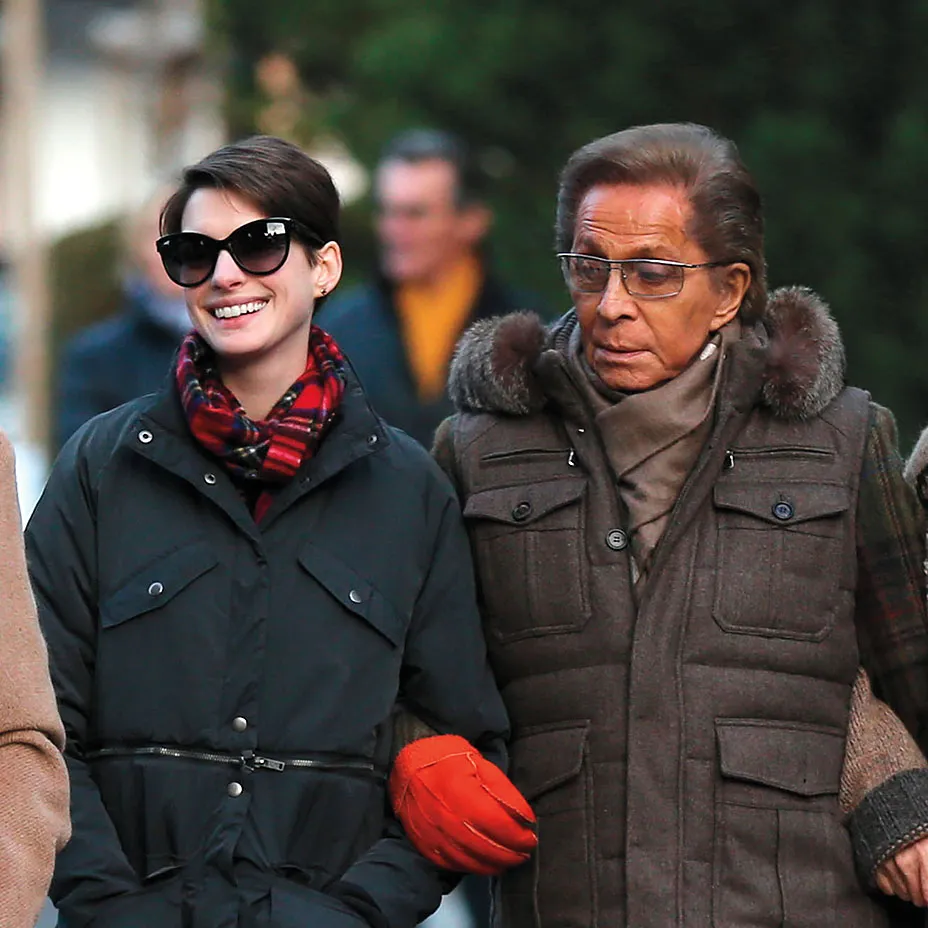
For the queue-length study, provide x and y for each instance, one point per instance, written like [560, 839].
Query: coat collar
[497, 363]
[356, 433]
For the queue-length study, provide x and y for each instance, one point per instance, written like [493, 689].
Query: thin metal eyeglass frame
[620, 264]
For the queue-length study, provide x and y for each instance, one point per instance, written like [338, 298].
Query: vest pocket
[532, 569]
[549, 765]
[780, 552]
[782, 855]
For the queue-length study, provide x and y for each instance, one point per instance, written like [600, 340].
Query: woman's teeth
[239, 309]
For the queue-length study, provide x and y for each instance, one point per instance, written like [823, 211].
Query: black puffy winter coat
[227, 687]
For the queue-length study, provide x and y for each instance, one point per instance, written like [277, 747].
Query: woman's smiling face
[243, 317]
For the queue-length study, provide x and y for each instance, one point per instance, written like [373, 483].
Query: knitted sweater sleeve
[34, 821]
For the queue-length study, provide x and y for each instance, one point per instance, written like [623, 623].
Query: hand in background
[906, 874]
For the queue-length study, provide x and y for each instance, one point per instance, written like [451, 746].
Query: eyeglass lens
[642, 278]
[258, 247]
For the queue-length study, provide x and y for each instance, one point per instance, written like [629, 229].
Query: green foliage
[826, 100]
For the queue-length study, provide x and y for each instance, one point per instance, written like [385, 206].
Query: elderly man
[690, 535]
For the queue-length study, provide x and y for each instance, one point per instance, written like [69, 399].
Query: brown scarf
[652, 439]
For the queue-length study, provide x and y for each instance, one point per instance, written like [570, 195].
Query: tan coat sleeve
[34, 821]
[884, 782]
[878, 746]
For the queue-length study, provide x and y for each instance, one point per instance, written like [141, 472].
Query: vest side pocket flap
[792, 756]
[157, 583]
[540, 760]
[354, 592]
[782, 504]
[522, 505]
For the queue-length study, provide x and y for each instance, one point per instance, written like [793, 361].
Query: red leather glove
[459, 809]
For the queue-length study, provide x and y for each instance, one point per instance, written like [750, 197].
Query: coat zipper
[248, 760]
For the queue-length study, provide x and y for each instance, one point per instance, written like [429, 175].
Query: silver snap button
[783, 510]
[235, 789]
[239, 723]
[145, 436]
[156, 588]
[521, 511]
[355, 596]
[372, 439]
[617, 539]
[210, 478]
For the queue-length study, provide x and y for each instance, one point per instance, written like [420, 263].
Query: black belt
[247, 760]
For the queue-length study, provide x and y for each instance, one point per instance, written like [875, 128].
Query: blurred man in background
[400, 329]
[128, 355]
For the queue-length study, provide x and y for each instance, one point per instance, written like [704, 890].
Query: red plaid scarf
[268, 450]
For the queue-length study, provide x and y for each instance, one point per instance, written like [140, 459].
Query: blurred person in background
[695, 549]
[238, 578]
[128, 355]
[434, 279]
[34, 821]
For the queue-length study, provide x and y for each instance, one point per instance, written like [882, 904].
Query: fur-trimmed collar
[917, 465]
[493, 366]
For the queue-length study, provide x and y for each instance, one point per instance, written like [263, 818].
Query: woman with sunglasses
[238, 578]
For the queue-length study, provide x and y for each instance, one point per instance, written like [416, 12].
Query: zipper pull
[268, 763]
[729, 460]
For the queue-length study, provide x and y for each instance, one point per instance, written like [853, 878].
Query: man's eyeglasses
[259, 247]
[645, 278]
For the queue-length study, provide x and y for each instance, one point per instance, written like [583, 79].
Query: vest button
[783, 510]
[522, 511]
[156, 588]
[239, 723]
[617, 539]
[235, 789]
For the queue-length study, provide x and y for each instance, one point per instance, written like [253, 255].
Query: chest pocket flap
[801, 759]
[782, 504]
[158, 583]
[522, 505]
[355, 593]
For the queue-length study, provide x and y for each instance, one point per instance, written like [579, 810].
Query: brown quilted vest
[683, 756]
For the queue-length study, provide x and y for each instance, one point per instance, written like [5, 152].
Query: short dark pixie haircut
[727, 219]
[276, 176]
[416, 145]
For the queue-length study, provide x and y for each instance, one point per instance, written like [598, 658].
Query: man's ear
[734, 283]
[475, 222]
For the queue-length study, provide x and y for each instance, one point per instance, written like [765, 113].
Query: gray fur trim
[891, 817]
[917, 463]
[805, 364]
[492, 369]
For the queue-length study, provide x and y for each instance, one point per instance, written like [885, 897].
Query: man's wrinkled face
[633, 343]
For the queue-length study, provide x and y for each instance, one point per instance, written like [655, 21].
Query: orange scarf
[432, 317]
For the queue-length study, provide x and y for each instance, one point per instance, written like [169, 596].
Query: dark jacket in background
[110, 363]
[196, 654]
[365, 324]
[682, 746]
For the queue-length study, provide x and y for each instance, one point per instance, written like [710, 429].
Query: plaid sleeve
[892, 628]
